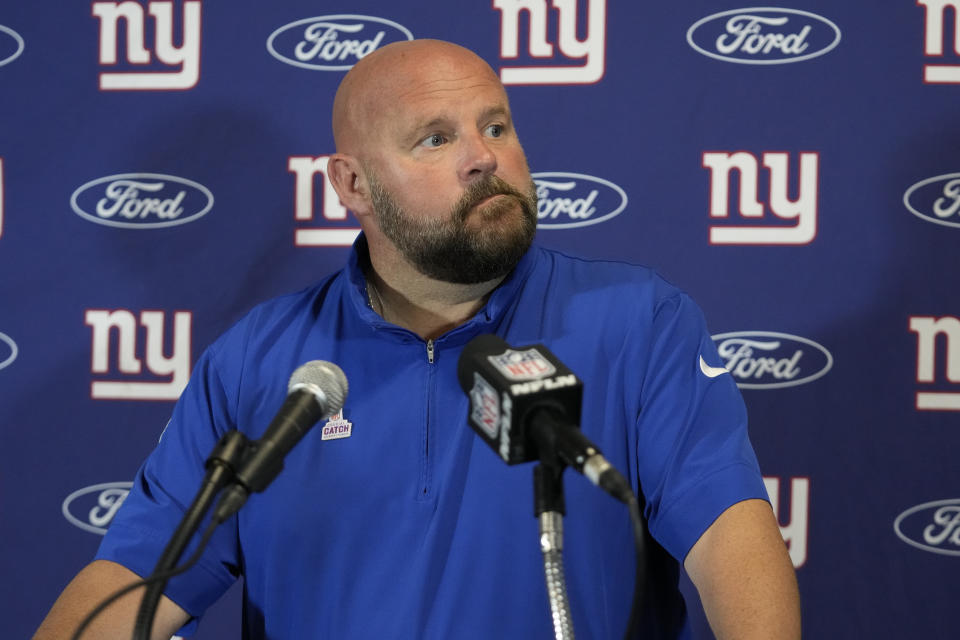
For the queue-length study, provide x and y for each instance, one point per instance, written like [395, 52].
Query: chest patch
[336, 427]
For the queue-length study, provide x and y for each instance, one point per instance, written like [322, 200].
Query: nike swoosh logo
[711, 372]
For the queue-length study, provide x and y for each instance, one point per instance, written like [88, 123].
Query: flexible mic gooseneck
[526, 404]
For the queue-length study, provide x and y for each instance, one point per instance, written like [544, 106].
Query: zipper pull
[430, 351]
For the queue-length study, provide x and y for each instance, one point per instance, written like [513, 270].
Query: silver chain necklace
[373, 297]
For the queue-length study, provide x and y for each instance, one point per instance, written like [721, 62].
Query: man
[412, 527]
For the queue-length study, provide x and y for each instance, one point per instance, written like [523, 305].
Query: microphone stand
[221, 466]
[549, 509]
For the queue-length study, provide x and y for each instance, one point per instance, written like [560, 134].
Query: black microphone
[316, 390]
[526, 404]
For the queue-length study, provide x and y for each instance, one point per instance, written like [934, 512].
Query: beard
[449, 250]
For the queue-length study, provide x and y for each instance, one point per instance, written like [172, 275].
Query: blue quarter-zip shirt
[412, 527]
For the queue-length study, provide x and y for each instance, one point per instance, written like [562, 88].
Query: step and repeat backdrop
[795, 168]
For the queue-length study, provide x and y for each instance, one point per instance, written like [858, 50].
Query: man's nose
[478, 159]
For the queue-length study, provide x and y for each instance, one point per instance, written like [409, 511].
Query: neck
[405, 297]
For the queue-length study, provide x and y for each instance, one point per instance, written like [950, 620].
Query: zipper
[425, 480]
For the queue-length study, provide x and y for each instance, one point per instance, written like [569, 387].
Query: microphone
[526, 405]
[316, 390]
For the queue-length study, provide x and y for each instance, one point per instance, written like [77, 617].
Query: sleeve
[694, 457]
[163, 489]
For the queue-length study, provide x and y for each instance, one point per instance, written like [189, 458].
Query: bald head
[370, 91]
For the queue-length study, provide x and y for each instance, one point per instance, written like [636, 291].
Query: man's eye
[433, 141]
[495, 130]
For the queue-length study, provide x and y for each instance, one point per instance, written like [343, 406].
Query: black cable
[151, 579]
[617, 486]
[216, 478]
[639, 532]
[221, 468]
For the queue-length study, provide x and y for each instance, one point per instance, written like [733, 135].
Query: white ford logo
[771, 360]
[8, 350]
[936, 199]
[141, 200]
[932, 526]
[11, 45]
[763, 35]
[568, 200]
[92, 508]
[333, 43]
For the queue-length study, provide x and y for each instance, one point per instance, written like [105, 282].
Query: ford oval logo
[11, 45]
[771, 360]
[92, 508]
[936, 199]
[763, 35]
[931, 526]
[568, 200]
[8, 350]
[141, 200]
[333, 43]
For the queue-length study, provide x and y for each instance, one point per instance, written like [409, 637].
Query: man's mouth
[489, 199]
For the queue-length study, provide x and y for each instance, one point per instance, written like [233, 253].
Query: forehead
[443, 93]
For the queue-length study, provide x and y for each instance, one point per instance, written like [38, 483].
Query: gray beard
[449, 251]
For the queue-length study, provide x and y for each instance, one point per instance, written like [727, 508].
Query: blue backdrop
[794, 168]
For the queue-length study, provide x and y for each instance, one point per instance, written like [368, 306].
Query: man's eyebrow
[421, 127]
[495, 112]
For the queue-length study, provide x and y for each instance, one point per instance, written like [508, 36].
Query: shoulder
[620, 283]
[307, 304]
[275, 321]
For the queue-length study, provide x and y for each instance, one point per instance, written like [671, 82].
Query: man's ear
[350, 183]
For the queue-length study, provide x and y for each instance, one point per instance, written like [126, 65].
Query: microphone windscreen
[325, 380]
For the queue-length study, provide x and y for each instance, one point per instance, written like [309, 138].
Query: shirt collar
[489, 315]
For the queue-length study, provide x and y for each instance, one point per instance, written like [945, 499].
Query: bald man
[412, 527]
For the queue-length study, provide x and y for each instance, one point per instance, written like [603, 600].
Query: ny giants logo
[335, 234]
[550, 67]
[763, 35]
[934, 33]
[934, 394]
[764, 230]
[932, 526]
[127, 382]
[569, 200]
[141, 200]
[796, 530]
[92, 508]
[8, 350]
[11, 45]
[771, 360]
[936, 200]
[333, 43]
[178, 68]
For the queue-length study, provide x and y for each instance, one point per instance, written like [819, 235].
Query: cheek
[425, 193]
[513, 167]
